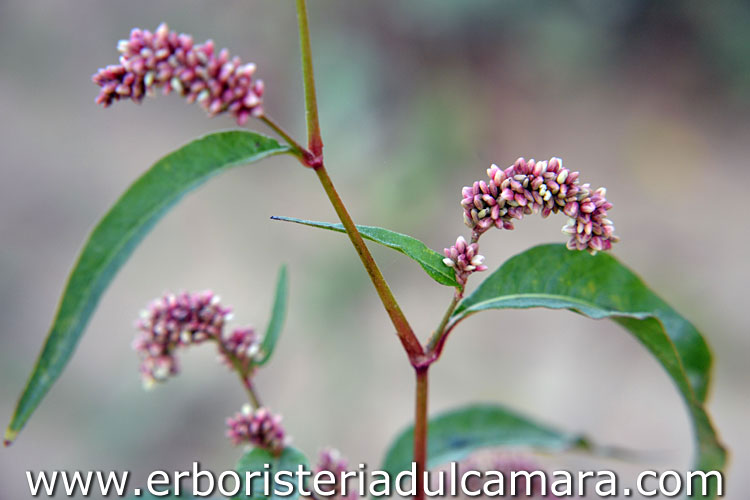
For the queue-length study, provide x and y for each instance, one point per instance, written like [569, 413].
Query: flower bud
[464, 259]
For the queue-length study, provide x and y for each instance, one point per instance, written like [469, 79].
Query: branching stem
[299, 151]
[408, 339]
[410, 342]
[435, 344]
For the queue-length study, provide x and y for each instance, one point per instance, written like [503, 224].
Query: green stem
[439, 333]
[243, 372]
[297, 148]
[315, 142]
[251, 393]
[410, 342]
[408, 339]
[420, 429]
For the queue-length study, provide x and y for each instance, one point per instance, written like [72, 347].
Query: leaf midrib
[464, 313]
[467, 311]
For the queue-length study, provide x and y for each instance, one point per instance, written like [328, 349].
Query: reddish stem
[420, 429]
[408, 339]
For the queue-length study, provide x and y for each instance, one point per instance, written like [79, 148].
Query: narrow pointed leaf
[599, 286]
[430, 260]
[117, 234]
[455, 434]
[278, 314]
[255, 460]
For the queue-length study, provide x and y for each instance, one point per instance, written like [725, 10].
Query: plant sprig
[550, 276]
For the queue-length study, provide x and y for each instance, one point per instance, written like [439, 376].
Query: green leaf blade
[553, 277]
[430, 260]
[254, 460]
[278, 315]
[455, 434]
[118, 233]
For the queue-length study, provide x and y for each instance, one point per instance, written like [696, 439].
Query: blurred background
[651, 99]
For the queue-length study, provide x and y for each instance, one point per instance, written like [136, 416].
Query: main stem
[420, 429]
[408, 339]
[311, 101]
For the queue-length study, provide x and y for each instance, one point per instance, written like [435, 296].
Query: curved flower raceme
[464, 258]
[528, 187]
[259, 428]
[180, 320]
[171, 61]
[174, 321]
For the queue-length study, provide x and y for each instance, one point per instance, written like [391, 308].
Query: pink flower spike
[174, 321]
[529, 187]
[172, 62]
[259, 428]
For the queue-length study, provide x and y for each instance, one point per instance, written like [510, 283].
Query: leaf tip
[10, 436]
[283, 219]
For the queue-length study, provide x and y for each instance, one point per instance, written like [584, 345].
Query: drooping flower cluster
[259, 428]
[464, 259]
[171, 61]
[528, 187]
[174, 321]
[330, 460]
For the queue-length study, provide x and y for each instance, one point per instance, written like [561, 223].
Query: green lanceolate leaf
[115, 237]
[600, 287]
[457, 433]
[430, 260]
[256, 459]
[278, 314]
